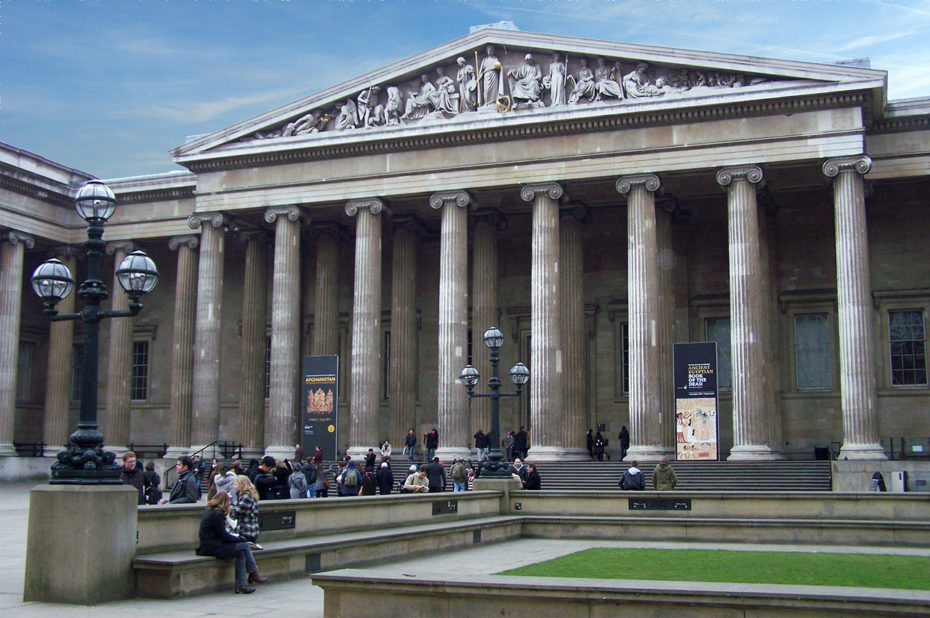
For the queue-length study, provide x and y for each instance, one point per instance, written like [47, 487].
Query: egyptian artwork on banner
[696, 401]
[320, 403]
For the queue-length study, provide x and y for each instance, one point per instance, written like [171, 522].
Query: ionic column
[748, 330]
[182, 343]
[646, 422]
[205, 409]
[119, 359]
[366, 326]
[252, 353]
[326, 294]
[571, 295]
[403, 369]
[12, 247]
[452, 404]
[56, 426]
[854, 289]
[770, 355]
[485, 312]
[281, 428]
[665, 319]
[546, 385]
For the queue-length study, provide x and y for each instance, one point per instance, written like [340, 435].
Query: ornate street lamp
[85, 462]
[495, 466]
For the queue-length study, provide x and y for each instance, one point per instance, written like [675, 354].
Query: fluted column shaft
[770, 343]
[571, 296]
[119, 359]
[56, 426]
[403, 375]
[281, 428]
[254, 303]
[366, 326]
[665, 265]
[207, 324]
[452, 404]
[646, 422]
[484, 312]
[12, 248]
[546, 386]
[854, 289]
[182, 343]
[748, 331]
[326, 295]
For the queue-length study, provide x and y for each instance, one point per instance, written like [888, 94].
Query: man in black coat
[385, 479]
[520, 443]
[131, 474]
[187, 488]
[437, 476]
[481, 445]
[532, 478]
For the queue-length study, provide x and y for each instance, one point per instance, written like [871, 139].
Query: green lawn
[810, 569]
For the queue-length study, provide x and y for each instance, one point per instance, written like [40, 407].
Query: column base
[52, 451]
[281, 452]
[755, 452]
[174, 452]
[447, 453]
[252, 452]
[644, 453]
[862, 451]
[358, 452]
[556, 453]
[7, 450]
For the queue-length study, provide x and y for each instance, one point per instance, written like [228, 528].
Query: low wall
[855, 475]
[25, 468]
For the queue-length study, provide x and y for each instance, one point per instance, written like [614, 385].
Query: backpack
[350, 480]
[458, 472]
[310, 473]
[298, 481]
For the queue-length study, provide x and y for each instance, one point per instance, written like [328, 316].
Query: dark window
[386, 376]
[625, 357]
[812, 357]
[718, 330]
[140, 370]
[24, 371]
[908, 350]
[268, 367]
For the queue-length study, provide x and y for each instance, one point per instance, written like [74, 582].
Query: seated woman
[216, 541]
[245, 511]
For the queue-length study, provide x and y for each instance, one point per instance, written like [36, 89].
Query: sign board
[320, 406]
[659, 504]
[696, 432]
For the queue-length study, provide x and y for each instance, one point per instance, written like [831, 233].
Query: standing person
[432, 443]
[437, 476]
[197, 466]
[532, 478]
[225, 480]
[350, 480]
[318, 455]
[297, 485]
[265, 481]
[410, 441]
[633, 478]
[309, 470]
[589, 442]
[152, 484]
[520, 443]
[370, 460]
[216, 541]
[507, 443]
[130, 474]
[385, 479]
[481, 445]
[599, 444]
[459, 474]
[624, 441]
[187, 488]
[282, 472]
[320, 484]
[664, 477]
[385, 450]
[369, 484]
[245, 511]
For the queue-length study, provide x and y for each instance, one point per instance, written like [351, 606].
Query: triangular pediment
[494, 76]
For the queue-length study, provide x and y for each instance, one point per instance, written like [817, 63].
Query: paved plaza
[298, 596]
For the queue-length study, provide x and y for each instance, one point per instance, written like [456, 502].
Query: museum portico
[597, 215]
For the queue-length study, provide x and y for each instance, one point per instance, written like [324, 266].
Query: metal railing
[29, 449]
[906, 448]
[148, 451]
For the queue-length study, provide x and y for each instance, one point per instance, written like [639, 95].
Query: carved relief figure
[394, 106]
[606, 83]
[311, 123]
[638, 84]
[584, 85]
[348, 116]
[488, 74]
[555, 80]
[445, 99]
[526, 82]
[370, 113]
[468, 86]
[418, 103]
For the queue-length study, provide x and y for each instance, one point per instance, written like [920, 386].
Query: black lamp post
[495, 466]
[85, 462]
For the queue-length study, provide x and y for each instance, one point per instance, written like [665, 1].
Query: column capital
[528, 192]
[859, 163]
[293, 213]
[650, 182]
[373, 205]
[126, 246]
[491, 216]
[63, 252]
[576, 211]
[216, 219]
[191, 241]
[15, 237]
[750, 173]
[412, 224]
[333, 229]
[244, 236]
[460, 198]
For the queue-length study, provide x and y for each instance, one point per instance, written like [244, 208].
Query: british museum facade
[598, 202]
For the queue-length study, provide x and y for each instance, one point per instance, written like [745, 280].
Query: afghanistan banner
[320, 405]
[696, 401]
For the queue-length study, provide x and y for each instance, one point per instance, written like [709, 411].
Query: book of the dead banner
[696, 401]
[320, 404]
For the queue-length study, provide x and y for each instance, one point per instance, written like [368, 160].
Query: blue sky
[109, 86]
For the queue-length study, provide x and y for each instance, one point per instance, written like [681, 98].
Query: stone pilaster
[205, 408]
[281, 428]
[252, 352]
[119, 358]
[182, 343]
[546, 386]
[403, 369]
[366, 326]
[854, 289]
[571, 294]
[665, 319]
[56, 425]
[485, 312]
[646, 422]
[12, 247]
[326, 294]
[748, 331]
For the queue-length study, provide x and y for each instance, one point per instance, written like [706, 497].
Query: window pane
[718, 330]
[24, 371]
[906, 347]
[812, 351]
[268, 367]
[77, 359]
[140, 370]
[625, 357]
[386, 376]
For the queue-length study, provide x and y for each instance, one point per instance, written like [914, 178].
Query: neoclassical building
[597, 201]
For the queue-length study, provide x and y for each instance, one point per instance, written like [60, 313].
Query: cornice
[157, 195]
[881, 126]
[21, 183]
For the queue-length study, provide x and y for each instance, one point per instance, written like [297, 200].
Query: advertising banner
[696, 401]
[320, 405]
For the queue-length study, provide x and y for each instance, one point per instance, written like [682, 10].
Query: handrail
[29, 449]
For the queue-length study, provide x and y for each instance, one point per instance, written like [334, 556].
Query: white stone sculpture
[554, 82]
[605, 82]
[526, 83]
[468, 85]
[488, 74]
[348, 116]
[418, 103]
[584, 85]
[639, 84]
[394, 106]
